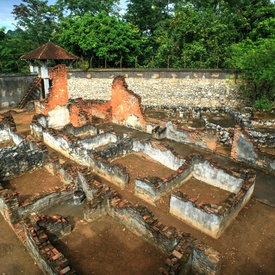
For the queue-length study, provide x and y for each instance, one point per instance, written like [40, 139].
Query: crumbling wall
[206, 139]
[185, 253]
[218, 177]
[17, 160]
[159, 152]
[126, 106]
[92, 143]
[210, 218]
[62, 144]
[244, 149]
[151, 189]
[49, 259]
[39, 202]
[79, 113]
[4, 133]
[58, 94]
[55, 104]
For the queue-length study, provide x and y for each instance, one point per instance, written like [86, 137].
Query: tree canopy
[230, 34]
[101, 37]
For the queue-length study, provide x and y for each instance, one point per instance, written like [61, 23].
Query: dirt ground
[14, 258]
[149, 167]
[107, 247]
[247, 245]
[204, 192]
[33, 182]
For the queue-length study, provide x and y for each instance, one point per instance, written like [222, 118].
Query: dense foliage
[232, 34]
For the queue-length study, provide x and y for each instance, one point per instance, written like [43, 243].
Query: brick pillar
[58, 94]
[125, 104]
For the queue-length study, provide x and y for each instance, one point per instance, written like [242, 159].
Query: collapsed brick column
[58, 94]
[126, 105]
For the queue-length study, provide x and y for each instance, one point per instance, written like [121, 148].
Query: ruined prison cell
[125, 184]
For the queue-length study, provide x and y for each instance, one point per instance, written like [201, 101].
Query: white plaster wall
[89, 193]
[208, 223]
[181, 136]
[58, 117]
[166, 157]
[4, 135]
[16, 138]
[96, 141]
[62, 146]
[205, 172]
[142, 187]
[133, 122]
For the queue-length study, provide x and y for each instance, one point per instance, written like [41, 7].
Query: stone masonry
[164, 91]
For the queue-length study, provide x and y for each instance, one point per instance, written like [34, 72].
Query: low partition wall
[17, 160]
[49, 259]
[159, 152]
[244, 149]
[5, 133]
[206, 139]
[185, 254]
[151, 189]
[13, 212]
[210, 218]
[68, 146]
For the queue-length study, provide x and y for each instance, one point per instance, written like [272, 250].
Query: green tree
[256, 60]
[146, 15]
[195, 38]
[101, 37]
[37, 19]
[80, 7]
[11, 48]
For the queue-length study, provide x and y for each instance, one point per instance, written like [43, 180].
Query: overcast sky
[6, 7]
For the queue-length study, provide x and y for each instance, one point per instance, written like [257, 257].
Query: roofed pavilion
[42, 55]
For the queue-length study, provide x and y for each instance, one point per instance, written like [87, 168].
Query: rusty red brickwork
[125, 103]
[58, 93]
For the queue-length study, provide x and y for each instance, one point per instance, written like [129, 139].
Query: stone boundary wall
[190, 88]
[170, 87]
[12, 89]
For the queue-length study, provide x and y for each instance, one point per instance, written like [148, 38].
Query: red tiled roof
[49, 51]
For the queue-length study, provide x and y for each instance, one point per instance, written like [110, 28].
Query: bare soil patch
[141, 165]
[196, 124]
[107, 247]
[33, 182]
[6, 144]
[23, 121]
[156, 114]
[204, 192]
[14, 258]
[223, 120]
